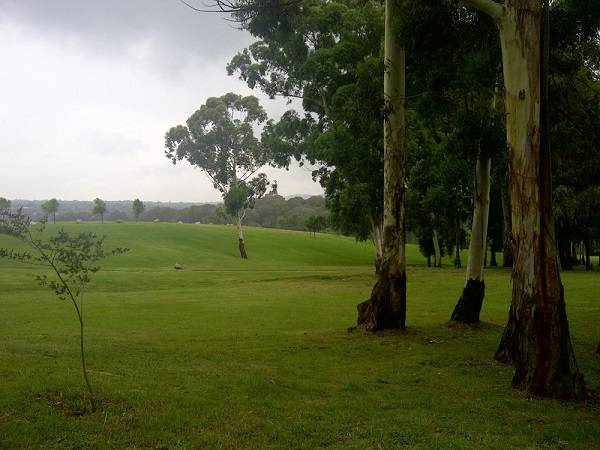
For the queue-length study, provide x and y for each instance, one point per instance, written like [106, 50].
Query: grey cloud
[169, 34]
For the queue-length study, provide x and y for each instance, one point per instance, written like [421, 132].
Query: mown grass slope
[253, 354]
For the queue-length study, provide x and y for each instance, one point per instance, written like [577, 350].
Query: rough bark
[469, 304]
[436, 248]
[386, 308]
[536, 339]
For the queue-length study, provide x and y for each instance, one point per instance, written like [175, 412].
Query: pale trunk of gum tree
[536, 338]
[378, 241]
[242, 246]
[386, 308]
[436, 249]
[469, 305]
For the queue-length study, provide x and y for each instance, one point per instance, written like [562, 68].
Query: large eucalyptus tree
[219, 139]
[386, 307]
[536, 339]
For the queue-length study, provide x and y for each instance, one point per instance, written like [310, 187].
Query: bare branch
[490, 7]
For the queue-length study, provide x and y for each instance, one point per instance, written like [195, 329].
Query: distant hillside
[273, 211]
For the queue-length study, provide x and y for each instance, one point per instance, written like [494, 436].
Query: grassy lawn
[253, 354]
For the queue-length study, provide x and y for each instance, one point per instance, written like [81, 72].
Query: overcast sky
[88, 89]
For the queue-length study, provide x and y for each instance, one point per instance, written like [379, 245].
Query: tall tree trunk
[242, 245]
[457, 263]
[386, 308]
[469, 304]
[536, 339]
[436, 249]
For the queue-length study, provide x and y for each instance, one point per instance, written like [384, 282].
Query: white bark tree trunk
[386, 307]
[468, 308]
[241, 243]
[479, 228]
[536, 338]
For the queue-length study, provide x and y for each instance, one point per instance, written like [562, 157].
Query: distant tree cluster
[271, 211]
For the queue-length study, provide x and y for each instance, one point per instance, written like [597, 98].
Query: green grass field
[253, 354]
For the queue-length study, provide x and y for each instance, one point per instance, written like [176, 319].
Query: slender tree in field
[536, 339]
[99, 208]
[138, 208]
[386, 308]
[50, 207]
[71, 261]
[219, 139]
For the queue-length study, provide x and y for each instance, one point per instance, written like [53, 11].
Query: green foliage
[219, 139]
[315, 224]
[138, 208]
[329, 55]
[242, 195]
[574, 90]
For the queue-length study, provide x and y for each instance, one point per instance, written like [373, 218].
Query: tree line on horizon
[271, 211]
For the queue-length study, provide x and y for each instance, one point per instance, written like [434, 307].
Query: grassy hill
[252, 354]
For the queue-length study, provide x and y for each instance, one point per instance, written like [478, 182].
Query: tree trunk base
[541, 351]
[468, 308]
[243, 249]
[386, 309]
